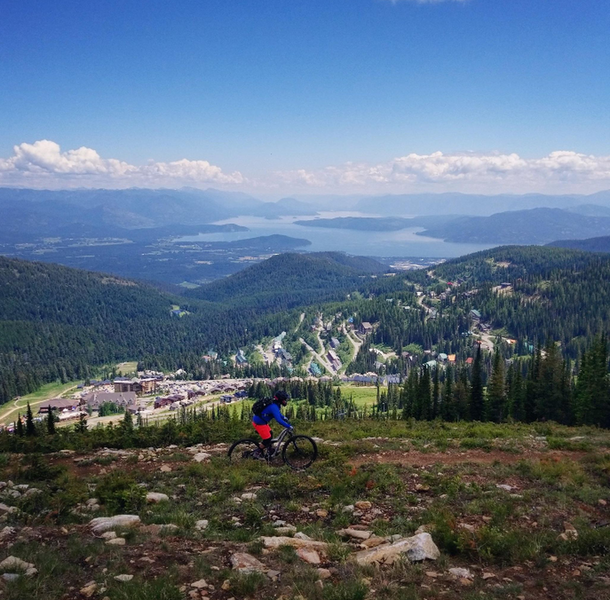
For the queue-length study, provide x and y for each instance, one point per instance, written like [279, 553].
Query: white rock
[108, 535]
[246, 563]
[117, 541]
[101, 524]
[201, 456]
[416, 548]
[355, 533]
[89, 589]
[460, 573]
[123, 577]
[8, 509]
[248, 496]
[285, 530]
[12, 563]
[296, 542]
[349, 508]
[309, 556]
[505, 487]
[168, 528]
[303, 536]
[200, 585]
[156, 497]
[201, 524]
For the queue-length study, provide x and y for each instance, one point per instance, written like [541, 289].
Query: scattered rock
[201, 456]
[165, 469]
[349, 508]
[420, 487]
[7, 509]
[602, 502]
[156, 497]
[295, 542]
[303, 536]
[285, 530]
[201, 524]
[89, 589]
[569, 534]
[363, 505]
[109, 535]
[117, 541]
[101, 524]
[416, 548]
[7, 532]
[248, 496]
[460, 573]
[309, 556]
[355, 533]
[246, 563]
[10, 576]
[123, 577]
[324, 574]
[505, 487]
[14, 563]
[168, 528]
[374, 541]
[273, 575]
[487, 576]
[200, 585]
[322, 513]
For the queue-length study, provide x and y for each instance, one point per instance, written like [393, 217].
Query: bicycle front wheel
[243, 450]
[299, 452]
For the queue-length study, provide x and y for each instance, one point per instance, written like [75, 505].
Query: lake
[400, 244]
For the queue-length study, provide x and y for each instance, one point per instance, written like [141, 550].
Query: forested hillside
[289, 280]
[60, 323]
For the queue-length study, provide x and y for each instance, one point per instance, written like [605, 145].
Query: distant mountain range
[536, 226]
[471, 204]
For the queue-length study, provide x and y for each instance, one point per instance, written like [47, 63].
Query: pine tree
[81, 426]
[477, 399]
[496, 390]
[50, 422]
[19, 426]
[30, 427]
[127, 423]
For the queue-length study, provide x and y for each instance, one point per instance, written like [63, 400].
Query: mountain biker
[271, 411]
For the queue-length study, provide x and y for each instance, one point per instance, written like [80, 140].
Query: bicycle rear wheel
[299, 452]
[243, 450]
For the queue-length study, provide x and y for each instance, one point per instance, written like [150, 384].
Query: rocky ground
[383, 517]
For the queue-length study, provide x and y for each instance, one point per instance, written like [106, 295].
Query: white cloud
[508, 172]
[43, 163]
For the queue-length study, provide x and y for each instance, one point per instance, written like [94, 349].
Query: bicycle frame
[277, 443]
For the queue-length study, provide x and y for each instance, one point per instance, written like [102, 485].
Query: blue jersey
[271, 412]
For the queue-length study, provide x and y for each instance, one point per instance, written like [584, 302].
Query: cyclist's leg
[266, 435]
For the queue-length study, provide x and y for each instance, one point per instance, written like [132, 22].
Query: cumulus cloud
[43, 162]
[458, 170]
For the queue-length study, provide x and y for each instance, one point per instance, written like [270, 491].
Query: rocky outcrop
[417, 548]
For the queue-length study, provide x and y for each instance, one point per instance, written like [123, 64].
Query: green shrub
[119, 493]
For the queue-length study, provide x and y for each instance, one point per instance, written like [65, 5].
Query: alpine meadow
[305, 300]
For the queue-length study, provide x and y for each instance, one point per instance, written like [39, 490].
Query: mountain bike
[297, 451]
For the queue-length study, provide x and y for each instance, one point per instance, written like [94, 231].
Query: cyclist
[271, 411]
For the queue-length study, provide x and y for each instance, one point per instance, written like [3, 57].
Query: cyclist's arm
[277, 415]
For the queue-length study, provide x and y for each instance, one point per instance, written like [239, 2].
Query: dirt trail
[467, 456]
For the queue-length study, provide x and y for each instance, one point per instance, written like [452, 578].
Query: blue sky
[293, 95]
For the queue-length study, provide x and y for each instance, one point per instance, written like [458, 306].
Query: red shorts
[263, 430]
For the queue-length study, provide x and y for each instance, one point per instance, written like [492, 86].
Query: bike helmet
[281, 397]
